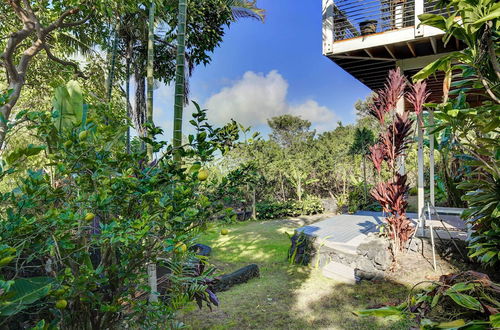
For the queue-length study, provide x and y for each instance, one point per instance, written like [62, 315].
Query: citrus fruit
[202, 175]
[89, 216]
[61, 303]
[83, 135]
[6, 260]
[180, 247]
[224, 232]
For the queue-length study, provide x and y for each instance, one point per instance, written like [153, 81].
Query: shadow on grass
[285, 296]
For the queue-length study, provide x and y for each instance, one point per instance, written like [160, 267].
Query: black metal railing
[354, 18]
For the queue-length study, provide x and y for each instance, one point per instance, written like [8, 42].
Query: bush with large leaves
[94, 216]
[475, 127]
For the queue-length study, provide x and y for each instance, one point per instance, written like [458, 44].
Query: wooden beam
[411, 48]
[390, 51]
[364, 58]
[433, 44]
[368, 52]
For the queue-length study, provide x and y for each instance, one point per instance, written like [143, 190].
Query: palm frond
[245, 9]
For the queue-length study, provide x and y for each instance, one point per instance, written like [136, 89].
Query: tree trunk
[140, 101]
[254, 206]
[127, 95]
[282, 188]
[180, 78]
[365, 188]
[299, 189]
[150, 77]
[6, 109]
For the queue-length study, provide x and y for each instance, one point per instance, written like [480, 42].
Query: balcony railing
[354, 18]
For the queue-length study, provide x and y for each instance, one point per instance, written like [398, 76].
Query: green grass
[285, 296]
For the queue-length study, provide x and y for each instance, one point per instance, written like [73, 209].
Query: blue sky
[272, 68]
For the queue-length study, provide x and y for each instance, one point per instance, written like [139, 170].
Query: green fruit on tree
[89, 216]
[180, 247]
[68, 144]
[6, 260]
[83, 135]
[59, 292]
[203, 175]
[61, 304]
[224, 232]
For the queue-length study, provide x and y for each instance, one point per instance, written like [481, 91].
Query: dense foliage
[474, 124]
[93, 217]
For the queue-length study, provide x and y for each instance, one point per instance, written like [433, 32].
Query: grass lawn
[285, 296]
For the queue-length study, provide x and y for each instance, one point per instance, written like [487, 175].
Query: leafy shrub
[290, 208]
[94, 217]
[356, 199]
[467, 300]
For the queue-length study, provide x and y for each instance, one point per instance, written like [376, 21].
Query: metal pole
[433, 247]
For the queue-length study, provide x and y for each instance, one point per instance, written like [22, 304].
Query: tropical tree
[239, 9]
[33, 29]
[150, 68]
[363, 140]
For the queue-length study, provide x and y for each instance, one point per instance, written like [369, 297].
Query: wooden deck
[347, 231]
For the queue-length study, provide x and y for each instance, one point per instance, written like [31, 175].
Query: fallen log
[242, 275]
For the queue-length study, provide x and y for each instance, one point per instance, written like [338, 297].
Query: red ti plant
[393, 143]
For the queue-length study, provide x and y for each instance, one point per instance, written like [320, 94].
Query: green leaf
[462, 286]
[387, 311]
[451, 324]
[26, 291]
[495, 321]
[465, 301]
[491, 16]
[68, 103]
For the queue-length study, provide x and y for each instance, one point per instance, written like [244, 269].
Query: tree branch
[60, 21]
[56, 59]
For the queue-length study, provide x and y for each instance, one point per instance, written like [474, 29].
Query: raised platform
[349, 230]
[343, 247]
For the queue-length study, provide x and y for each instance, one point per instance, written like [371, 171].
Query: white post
[431, 160]
[419, 9]
[153, 282]
[398, 15]
[420, 181]
[327, 26]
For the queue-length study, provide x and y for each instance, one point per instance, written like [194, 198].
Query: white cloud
[257, 97]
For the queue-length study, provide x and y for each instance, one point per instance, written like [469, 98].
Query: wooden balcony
[367, 38]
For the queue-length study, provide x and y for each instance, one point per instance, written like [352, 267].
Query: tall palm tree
[363, 139]
[240, 9]
[180, 81]
[150, 78]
